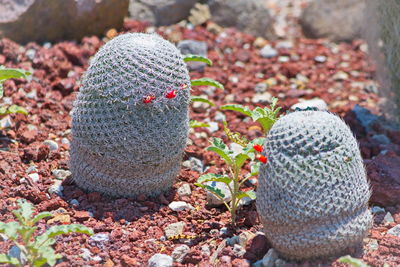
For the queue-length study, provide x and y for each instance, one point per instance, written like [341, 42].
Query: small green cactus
[130, 119]
[313, 193]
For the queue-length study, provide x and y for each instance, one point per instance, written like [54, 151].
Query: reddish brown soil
[136, 226]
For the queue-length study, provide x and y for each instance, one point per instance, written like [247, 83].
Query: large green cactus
[130, 118]
[313, 193]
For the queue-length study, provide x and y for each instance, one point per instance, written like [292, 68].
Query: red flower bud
[183, 86]
[258, 148]
[262, 158]
[171, 94]
[148, 99]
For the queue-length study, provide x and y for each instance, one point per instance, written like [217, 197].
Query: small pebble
[194, 164]
[184, 190]
[223, 231]
[100, 237]
[340, 76]
[377, 209]
[61, 174]
[174, 229]
[283, 59]
[160, 260]
[261, 87]
[268, 52]
[313, 103]
[270, 258]
[53, 146]
[213, 127]
[180, 252]
[238, 250]
[394, 231]
[219, 116]
[212, 200]
[388, 218]
[5, 122]
[180, 205]
[320, 59]
[34, 176]
[284, 45]
[205, 250]
[265, 97]
[74, 202]
[56, 188]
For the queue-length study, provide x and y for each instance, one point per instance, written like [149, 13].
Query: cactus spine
[129, 129]
[313, 193]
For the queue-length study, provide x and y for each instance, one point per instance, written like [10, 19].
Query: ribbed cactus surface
[129, 130]
[313, 192]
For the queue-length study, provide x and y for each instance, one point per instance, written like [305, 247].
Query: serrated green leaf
[255, 168]
[66, 229]
[202, 99]
[251, 194]
[13, 73]
[240, 159]
[198, 58]
[3, 111]
[197, 124]
[9, 260]
[41, 216]
[239, 108]
[211, 189]
[266, 123]
[214, 178]
[10, 229]
[17, 109]
[219, 147]
[208, 82]
[352, 261]
[48, 256]
[26, 209]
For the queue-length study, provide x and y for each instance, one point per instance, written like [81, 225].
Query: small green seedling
[235, 161]
[35, 251]
[355, 262]
[265, 116]
[5, 74]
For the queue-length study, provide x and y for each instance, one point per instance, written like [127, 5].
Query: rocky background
[304, 52]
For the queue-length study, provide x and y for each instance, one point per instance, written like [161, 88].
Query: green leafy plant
[265, 116]
[235, 161]
[5, 74]
[355, 262]
[35, 251]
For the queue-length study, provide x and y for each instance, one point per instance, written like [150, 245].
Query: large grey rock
[160, 12]
[338, 20]
[250, 16]
[48, 20]
[195, 48]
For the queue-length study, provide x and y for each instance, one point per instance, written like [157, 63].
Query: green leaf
[211, 177]
[239, 108]
[190, 57]
[17, 109]
[352, 261]
[48, 256]
[25, 210]
[10, 229]
[13, 73]
[202, 99]
[219, 147]
[211, 189]
[197, 124]
[9, 260]
[66, 229]
[255, 168]
[41, 216]
[207, 81]
[3, 111]
[240, 159]
[251, 194]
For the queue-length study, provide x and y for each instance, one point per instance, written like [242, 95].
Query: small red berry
[171, 94]
[258, 148]
[262, 158]
[148, 99]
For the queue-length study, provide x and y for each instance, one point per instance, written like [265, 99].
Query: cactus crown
[313, 193]
[133, 66]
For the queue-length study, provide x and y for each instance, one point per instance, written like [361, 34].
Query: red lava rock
[128, 261]
[28, 136]
[36, 153]
[240, 263]
[135, 235]
[251, 218]
[81, 215]
[257, 248]
[384, 174]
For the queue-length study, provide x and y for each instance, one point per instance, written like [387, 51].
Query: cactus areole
[129, 133]
[313, 194]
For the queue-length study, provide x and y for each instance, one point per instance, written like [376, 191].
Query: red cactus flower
[148, 99]
[262, 158]
[258, 148]
[171, 94]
